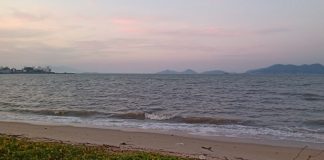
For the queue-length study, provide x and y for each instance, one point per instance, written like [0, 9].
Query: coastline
[174, 144]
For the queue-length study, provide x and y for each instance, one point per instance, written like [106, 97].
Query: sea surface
[284, 107]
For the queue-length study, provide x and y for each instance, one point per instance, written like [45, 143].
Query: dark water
[268, 107]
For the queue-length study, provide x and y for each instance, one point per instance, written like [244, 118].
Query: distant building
[47, 69]
[26, 70]
[5, 70]
[18, 71]
[13, 70]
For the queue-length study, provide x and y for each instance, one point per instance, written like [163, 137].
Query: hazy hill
[214, 72]
[168, 72]
[188, 71]
[290, 69]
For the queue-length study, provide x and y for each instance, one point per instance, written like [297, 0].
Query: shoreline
[222, 138]
[178, 144]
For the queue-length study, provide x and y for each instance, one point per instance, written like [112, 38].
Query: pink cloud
[125, 21]
[212, 31]
[28, 16]
[197, 31]
[129, 25]
[154, 26]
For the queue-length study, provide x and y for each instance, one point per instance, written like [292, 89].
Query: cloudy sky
[137, 36]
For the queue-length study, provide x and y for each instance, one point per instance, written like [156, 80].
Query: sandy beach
[164, 143]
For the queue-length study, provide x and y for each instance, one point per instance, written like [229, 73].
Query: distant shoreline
[28, 73]
[35, 73]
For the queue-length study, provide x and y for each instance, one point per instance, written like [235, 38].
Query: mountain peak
[189, 71]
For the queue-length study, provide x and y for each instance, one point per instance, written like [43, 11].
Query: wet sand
[195, 147]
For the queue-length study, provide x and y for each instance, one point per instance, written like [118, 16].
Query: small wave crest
[130, 115]
[317, 122]
[143, 116]
[208, 120]
[74, 113]
[306, 96]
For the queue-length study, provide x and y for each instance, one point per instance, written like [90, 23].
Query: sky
[146, 36]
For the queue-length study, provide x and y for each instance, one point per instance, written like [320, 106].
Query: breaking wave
[136, 116]
[68, 113]
[178, 119]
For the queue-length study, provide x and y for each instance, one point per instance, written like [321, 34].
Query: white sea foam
[154, 116]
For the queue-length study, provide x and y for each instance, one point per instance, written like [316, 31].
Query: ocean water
[285, 107]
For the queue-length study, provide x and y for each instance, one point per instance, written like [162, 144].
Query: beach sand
[164, 143]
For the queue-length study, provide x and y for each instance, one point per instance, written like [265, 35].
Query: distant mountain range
[190, 71]
[274, 69]
[290, 69]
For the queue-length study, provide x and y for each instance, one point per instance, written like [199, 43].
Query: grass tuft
[25, 149]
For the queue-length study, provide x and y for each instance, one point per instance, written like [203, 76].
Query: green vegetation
[22, 148]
